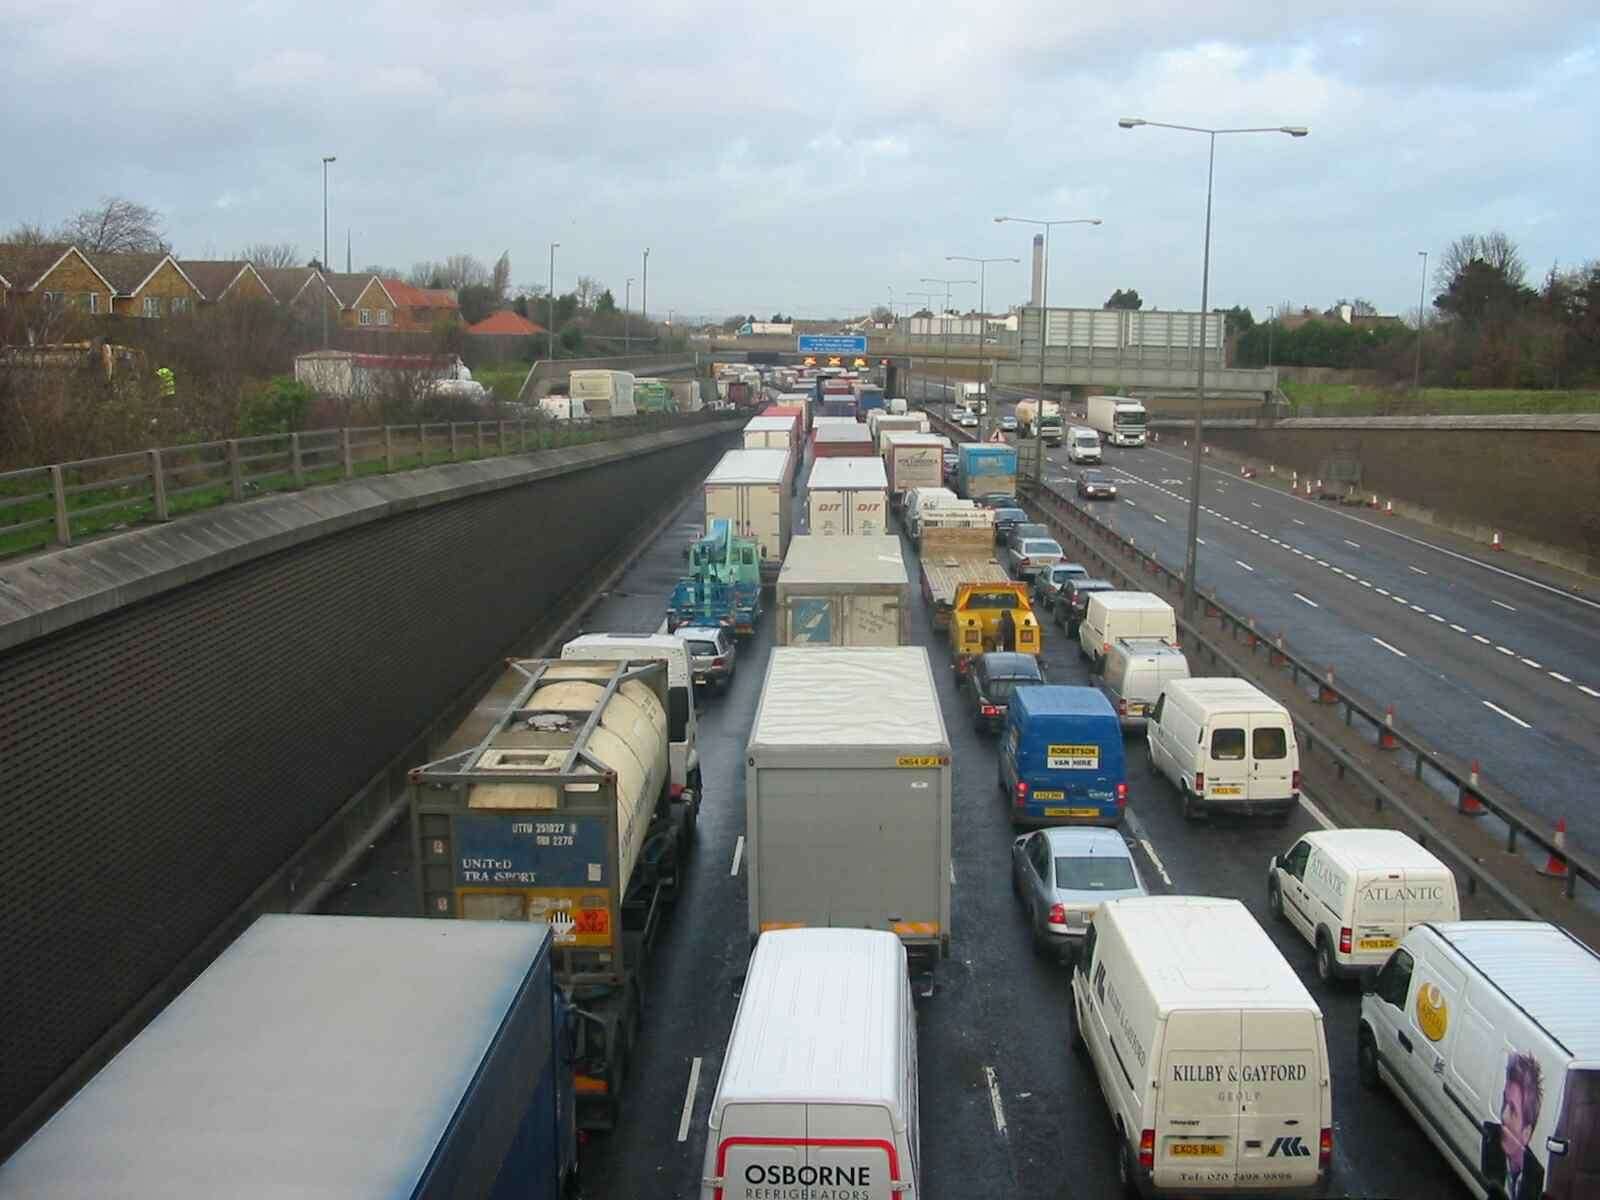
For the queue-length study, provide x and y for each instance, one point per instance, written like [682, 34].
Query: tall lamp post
[1190, 587]
[551, 334]
[983, 332]
[944, 317]
[1044, 318]
[627, 301]
[644, 290]
[1422, 288]
[326, 159]
[1272, 319]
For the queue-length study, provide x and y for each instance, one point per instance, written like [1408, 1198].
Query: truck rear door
[872, 620]
[866, 512]
[827, 513]
[757, 1147]
[1380, 915]
[1280, 1091]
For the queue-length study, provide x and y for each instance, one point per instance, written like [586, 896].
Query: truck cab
[977, 620]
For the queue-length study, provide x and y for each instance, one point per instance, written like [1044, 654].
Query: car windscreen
[1093, 874]
[992, 600]
[1091, 477]
[1013, 515]
[1269, 743]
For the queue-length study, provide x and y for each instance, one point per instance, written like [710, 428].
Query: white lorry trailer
[1119, 420]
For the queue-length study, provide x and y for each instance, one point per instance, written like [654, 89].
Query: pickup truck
[976, 620]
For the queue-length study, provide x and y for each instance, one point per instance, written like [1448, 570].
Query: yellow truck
[978, 617]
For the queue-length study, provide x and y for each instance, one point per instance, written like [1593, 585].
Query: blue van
[1061, 759]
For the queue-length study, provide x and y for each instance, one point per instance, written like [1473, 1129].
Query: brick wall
[74, 279]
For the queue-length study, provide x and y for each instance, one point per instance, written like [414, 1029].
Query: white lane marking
[1348, 542]
[1253, 504]
[1306, 600]
[1156, 861]
[1589, 691]
[1391, 649]
[1246, 566]
[1537, 666]
[1322, 562]
[1159, 517]
[1418, 570]
[1381, 591]
[1297, 520]
[1459, 628]
[1317, 815]
[1478, 637]
[994, 1102]
[1559, 677]
[1507, 716]
[1399, 599]
[1436, 617]
[1130, 504]
[688, 1101]
[1503, 605]
[738, 854]
[1418, 608]
[1201, 540]
[1364, 583]
[1506, 650]
[952, 873]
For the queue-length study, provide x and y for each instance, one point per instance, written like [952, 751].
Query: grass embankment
[1352, 400]
[504, 379]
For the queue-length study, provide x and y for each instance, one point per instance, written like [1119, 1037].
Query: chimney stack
[1038, 269]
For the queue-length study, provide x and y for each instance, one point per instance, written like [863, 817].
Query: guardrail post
[477, 433]
[58, 493]
[500, 437]
[422, 444]
[158, 484]
[522, 433]
[235, 469]
[296, 466]
[452, 441]
[344, 450]
[388, 449]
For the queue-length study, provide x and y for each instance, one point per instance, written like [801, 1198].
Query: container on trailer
[985, 467]
[820, 422]
[683, 730]
[768, 432]
[332, 1056]
[806, 402]
[842, 441]
[912, 460]
[751, 488]
[844, 592]
[741, 394]
[686, 395]
[869, 398]
[847, 496]
[881, 422]
[848, 792]
[605, 394]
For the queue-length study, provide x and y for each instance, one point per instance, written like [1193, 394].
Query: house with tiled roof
[226, 279]
[148, 285]
[298, 287]
[502, 336]
[364, 303]
[54, 272]
[418, 310]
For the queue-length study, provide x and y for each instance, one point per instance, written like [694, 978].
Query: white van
[1137, 671]
[1210, 1052]
[818, 1091]
[1083, 445]
[918, 500]
[1113, 615]
[1487, 1032]
[1226, 746]
[1355, 893]
[682, 728]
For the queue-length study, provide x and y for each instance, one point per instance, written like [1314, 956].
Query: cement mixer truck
[552, 803]
[1039, 417]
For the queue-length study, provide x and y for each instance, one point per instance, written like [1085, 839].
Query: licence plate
[1196, 1149]
[1136, 710]
[1049, 795]
[1378, 943]
[1072, 812]
[1226, 789]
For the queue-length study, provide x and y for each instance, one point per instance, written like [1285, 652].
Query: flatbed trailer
[957, 556]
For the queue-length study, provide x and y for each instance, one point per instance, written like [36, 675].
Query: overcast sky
[812, 156]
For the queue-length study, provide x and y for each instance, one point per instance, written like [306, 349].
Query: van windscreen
[1227, 745]
[1269, 743]
[1095, 874]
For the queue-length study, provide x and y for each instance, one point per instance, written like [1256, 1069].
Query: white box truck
[1119, 420]
[751, 489]
[847, 796]
[1210, 1052]
[818, 1093]
[912, 460]
[847, 496]
[844, 592]
[604, 393]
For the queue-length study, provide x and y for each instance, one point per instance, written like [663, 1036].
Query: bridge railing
[60, 503]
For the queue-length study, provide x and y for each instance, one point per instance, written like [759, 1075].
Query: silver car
[1047, 584]
[1029, 556]
[711, 654]
[1063, 874]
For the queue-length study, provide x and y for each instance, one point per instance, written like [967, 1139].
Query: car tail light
[1325, 1150]
[1147, 1149]
[1122, 708]
[719, 662]
[1024, 562]
[1199, 782]
[990, 710]
[1022, 792]
[1122, 795]
[1058, 914]
[1294, 780]
[1105, 647]
[1344, 940]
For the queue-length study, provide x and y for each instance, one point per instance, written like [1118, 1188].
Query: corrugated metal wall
[156, 765]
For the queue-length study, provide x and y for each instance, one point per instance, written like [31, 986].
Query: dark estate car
[995, 500]
[1005, 520]
[1096, 485]
[990, 681]
[1072, 601]
[1047, 584]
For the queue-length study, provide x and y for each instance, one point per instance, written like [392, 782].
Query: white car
[967, 419]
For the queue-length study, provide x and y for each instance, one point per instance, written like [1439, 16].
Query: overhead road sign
[822, 343]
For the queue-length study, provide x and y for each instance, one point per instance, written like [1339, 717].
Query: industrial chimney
[1038, 269]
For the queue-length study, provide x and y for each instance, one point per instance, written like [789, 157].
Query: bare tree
[500, 281]
[117, 226]
[26, 234]
[463, 270]
[1494, 248]
[422, 274]
[271, 254]
[588, 291]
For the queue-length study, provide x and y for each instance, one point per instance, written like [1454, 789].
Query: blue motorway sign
[827, 343]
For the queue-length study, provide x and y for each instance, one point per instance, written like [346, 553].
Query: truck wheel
[1367, 1059]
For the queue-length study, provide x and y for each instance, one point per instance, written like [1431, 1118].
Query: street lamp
[627, 301]
[326, 159]
[983, 331]
[1422, 287]
[944, 316]
[1044, 317]
[1272, 318]
[551, 333]
[1190, 578]
[644, 290]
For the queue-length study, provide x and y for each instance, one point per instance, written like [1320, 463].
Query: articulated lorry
[1119, 420]
[553, 803]
[753, 490]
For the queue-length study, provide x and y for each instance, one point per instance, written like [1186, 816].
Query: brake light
[1022, 793]
[1344, 940]
[1199, 782]
[1325, 1150]
[1147, 1149]
[1105, 647]
[989, 710]
[719, 662]
[1122, 795]
[1295, 779]
[1122, 708]
[1058, 914]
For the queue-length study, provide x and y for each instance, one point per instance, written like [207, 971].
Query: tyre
[1079, 1045]
[1126, 1175]
[1367, 1059]
[1191, 810]
[1041, 944]
[1325, 962]
[1275, 901]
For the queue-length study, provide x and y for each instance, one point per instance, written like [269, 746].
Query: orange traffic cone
[1467, 803]
[1556, 866]
[1496, 544]
[1388, 508]
[1386, 738]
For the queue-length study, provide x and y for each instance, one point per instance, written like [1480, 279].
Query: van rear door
[1197, 1102]
[756, 1143]
[1379, 919]
[853, 1151]
[1271, 767]
[1430, 895]
[1224, 757]
[1280, 1092]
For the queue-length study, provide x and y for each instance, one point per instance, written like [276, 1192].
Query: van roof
[1227, 691]
[847, 696]
[1375, 850]
[817, 1023]
[1128, 600]
[1148, 645]
[1542, 969]
[1204, 952]
[1060, 700]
